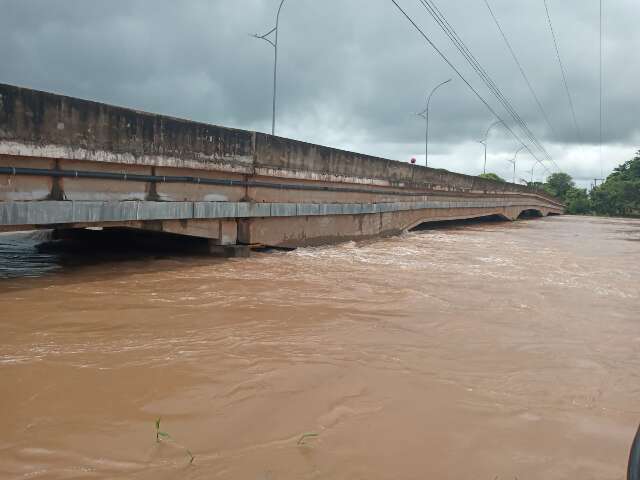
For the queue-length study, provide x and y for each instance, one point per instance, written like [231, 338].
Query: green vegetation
[164, 435]
[578, 201]
[559, 185]
[562, 186]
[618, 195]
[160, 434]
[491, 176]
[304, 436]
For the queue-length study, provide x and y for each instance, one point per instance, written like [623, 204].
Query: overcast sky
[352, 73]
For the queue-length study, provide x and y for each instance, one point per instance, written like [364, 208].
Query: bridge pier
[229, 251]
[219, 231]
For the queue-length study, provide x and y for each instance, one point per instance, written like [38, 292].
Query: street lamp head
[486, 134]
[264, 37]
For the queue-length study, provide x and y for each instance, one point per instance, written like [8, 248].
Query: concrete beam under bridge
[274, 224]
[70, 163]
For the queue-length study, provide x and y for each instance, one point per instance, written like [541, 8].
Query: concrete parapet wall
[288, 158]
[42, 125]
[38, 124]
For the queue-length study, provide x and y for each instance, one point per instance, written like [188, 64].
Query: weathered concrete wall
[45, 125]
[39, 124]
[283, 157]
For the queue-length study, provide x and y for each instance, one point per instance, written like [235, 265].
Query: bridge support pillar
[220, 231]
[229, 251]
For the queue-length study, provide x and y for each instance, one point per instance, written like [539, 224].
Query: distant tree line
[618, 195]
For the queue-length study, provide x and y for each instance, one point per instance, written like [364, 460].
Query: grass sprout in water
[160, 435]
[305, 436]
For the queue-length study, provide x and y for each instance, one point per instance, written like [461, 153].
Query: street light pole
[532, 168]
[515, 158]
[274, 44]
[425, 114]
[484, 142]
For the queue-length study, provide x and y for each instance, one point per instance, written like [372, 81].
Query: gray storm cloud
[352, 73]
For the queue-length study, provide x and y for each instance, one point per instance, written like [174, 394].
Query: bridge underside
[268, 224]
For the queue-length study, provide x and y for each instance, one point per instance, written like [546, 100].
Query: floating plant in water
[305, 436]
[160, 434]
[164, 435]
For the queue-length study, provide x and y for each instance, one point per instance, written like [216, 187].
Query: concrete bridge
[69, 164]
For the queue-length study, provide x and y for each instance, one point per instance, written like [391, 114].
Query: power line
[476, 93]
[433, 10]
[462, 48]
[524, 75]
[600, 146]
[564, 75]
[442, 22]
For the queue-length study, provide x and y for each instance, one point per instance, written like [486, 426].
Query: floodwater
[470, 352]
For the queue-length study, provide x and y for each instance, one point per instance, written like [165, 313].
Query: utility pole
[484, 142]
[425, 114]
[274, 44]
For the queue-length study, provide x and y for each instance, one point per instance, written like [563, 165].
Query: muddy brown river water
[468, 352]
